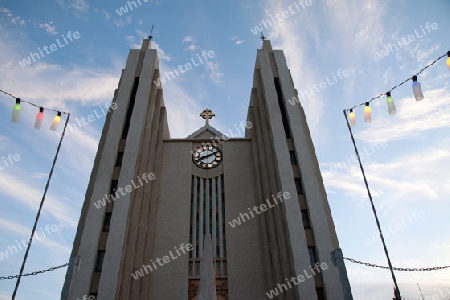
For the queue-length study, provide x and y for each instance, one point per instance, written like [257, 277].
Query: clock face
[207, 157]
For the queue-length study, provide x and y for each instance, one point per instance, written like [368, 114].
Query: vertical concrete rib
[221, 237]
[89, 239]
[194, 218]
[321, 220]
[116, 238]
[207, 208]
[292, 215]
[201, 217]
[214, 211]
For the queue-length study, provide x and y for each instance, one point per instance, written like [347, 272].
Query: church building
[206, 217]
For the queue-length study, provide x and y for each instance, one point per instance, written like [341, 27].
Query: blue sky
[406, 157]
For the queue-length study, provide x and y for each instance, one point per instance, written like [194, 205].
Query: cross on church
[207, 114]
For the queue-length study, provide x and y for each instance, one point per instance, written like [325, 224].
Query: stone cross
[207, 114]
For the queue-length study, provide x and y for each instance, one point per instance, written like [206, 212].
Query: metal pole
[396, 291]
[39, 211]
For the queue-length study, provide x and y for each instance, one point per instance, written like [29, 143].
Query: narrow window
[320, 293]
[126, 127]
[119, 159]
[305, 219]
[293, 159]
[284, 119]
[100, 257]
[312, 256]
[298, 185]
[113, 188]
[107, 222]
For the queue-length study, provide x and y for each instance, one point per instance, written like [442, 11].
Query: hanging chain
[349, 259]
[34, 273]
[397, 269]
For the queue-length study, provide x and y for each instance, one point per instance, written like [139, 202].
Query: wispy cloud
[25, 233]
[412, 119]
[14, 19]
[215, 75]
[188, 39]
[30, 197]
[399, 178]
[236, 40]
[54, 85]
[191, 43]
[135, 42]
[106, 14]
[77, 6]
[49, 28]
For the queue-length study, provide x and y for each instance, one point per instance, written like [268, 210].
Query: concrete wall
[172, 222]
[87, 251]
[246, 269]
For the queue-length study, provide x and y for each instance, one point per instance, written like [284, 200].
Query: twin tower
[207, 216]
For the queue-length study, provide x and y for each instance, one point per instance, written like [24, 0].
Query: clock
[207, 157]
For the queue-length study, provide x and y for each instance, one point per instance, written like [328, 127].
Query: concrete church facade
[254, 208]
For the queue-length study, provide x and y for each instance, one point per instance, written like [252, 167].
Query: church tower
[239, 218]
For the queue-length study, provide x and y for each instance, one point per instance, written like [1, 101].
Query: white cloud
[44, 238]
[413, 118]
[107, 14]
[30, 197]
[14, 19]
[80, 5]
[11, 226]
[214, 74]
[237, 41]
[188, 39]
[182, 108]
[162, 55]
[182, 111]
[79, 8]
[55, 86]
[77, 5]
[49, 27]
[408, 177]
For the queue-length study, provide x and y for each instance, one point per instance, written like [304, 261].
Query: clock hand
[208, 155]
[202, 156]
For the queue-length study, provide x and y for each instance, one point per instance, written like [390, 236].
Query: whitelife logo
[38, 236]
[35, 56]
[112, 197]
[316, 88]
[293, 9]
[297, 280]
[12, 158]
[161, 262]
[124, 9]
[263, 207]
[405, 41]
[187, 66]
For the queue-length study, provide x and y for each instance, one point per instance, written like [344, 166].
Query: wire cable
[400, 84]
[397, 291]
[39, 210]
[31, 103]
